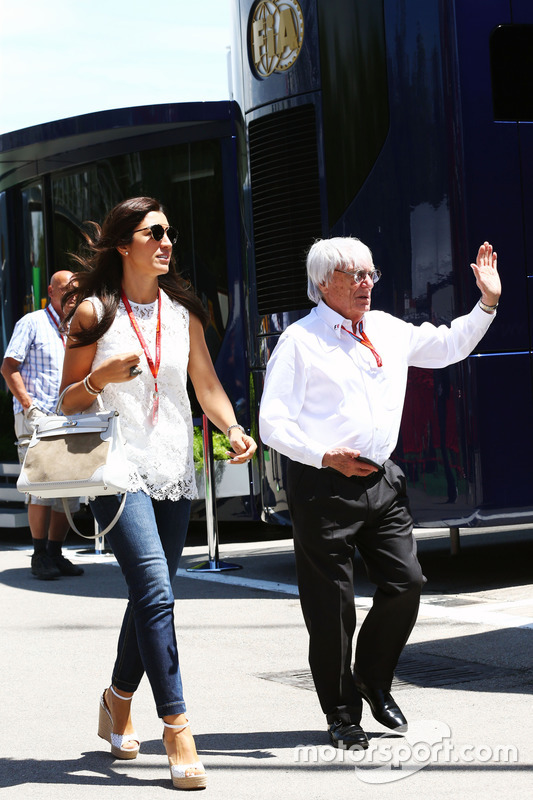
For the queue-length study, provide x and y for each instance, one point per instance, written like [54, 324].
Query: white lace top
[161, 454]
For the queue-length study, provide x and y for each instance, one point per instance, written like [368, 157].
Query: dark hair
[100, 272]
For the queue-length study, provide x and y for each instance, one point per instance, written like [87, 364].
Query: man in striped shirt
[32, 369]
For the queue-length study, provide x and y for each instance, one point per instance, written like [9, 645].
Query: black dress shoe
[43, 567]
[347, 735]
[383, 706]
[65, 566]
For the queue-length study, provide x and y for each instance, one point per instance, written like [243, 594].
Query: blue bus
[55, 176]
[406, 123]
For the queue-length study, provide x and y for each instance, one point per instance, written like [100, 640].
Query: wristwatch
[488, 309]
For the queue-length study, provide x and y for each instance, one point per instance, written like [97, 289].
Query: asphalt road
[464, 682]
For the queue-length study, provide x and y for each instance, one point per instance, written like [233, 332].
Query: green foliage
[220, 447]
[198, 448]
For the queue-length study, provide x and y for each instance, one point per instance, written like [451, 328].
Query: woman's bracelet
[236, 425]
[90, 389]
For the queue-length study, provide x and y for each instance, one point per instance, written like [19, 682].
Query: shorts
[24, 426]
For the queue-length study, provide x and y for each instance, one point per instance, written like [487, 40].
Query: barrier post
[213, 564]
[99, 541]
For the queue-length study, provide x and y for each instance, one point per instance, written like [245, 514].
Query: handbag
[81, 455]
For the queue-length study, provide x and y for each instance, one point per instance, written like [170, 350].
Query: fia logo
[276, 35]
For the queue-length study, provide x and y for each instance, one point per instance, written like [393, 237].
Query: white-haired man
[334, 393]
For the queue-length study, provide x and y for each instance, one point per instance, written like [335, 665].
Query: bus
[406, 123]
[55, 176]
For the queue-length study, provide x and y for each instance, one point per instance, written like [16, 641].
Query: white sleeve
[22, 339]
[281, 403]
[437, 347]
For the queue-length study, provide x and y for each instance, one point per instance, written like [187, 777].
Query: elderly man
[32, 369]
[333, 397]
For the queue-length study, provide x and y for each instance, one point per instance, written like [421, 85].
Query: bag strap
[63, 393]
[65, 502]
[100, 533]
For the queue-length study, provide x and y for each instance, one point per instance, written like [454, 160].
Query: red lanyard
[56, 323]
[363, 339]
[154, 368]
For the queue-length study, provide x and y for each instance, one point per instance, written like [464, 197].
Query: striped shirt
[37, 344]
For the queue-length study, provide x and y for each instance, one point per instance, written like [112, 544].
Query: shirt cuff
[481, 315]
[315, 458]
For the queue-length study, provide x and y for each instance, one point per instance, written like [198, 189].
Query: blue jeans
[147, 542]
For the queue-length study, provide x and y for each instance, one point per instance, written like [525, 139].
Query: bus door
[495, 64]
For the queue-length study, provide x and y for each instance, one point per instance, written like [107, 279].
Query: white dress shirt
[323, 389]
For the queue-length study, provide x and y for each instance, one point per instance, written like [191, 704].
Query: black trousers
[331, 516]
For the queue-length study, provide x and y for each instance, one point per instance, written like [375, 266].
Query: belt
[378, 474]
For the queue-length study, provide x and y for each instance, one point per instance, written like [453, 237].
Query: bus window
[511, 62]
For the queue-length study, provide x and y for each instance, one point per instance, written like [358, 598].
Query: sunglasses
[158, 232]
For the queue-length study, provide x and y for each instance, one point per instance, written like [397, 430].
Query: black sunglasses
[158, 232]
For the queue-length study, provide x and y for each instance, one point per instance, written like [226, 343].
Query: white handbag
[81, 455]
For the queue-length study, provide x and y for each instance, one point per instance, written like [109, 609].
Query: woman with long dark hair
[135, 334]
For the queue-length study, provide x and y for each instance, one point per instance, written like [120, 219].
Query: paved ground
[465, 682]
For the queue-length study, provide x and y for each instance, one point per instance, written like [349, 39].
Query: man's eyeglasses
[158, 232]
[362, 274]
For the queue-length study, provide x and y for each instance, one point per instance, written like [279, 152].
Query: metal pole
[210, 497]
[213, 564]
[99, 543]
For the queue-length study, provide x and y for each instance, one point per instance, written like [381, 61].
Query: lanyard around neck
[154, 367]
[362, 338]
[56, 323]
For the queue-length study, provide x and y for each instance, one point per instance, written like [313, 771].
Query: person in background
[32, 368]
[136, 334]
[332, 402]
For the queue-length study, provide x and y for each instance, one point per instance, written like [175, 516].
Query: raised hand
[486, 272]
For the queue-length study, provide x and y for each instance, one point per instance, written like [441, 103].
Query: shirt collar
[51, 310]
[332, 319]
